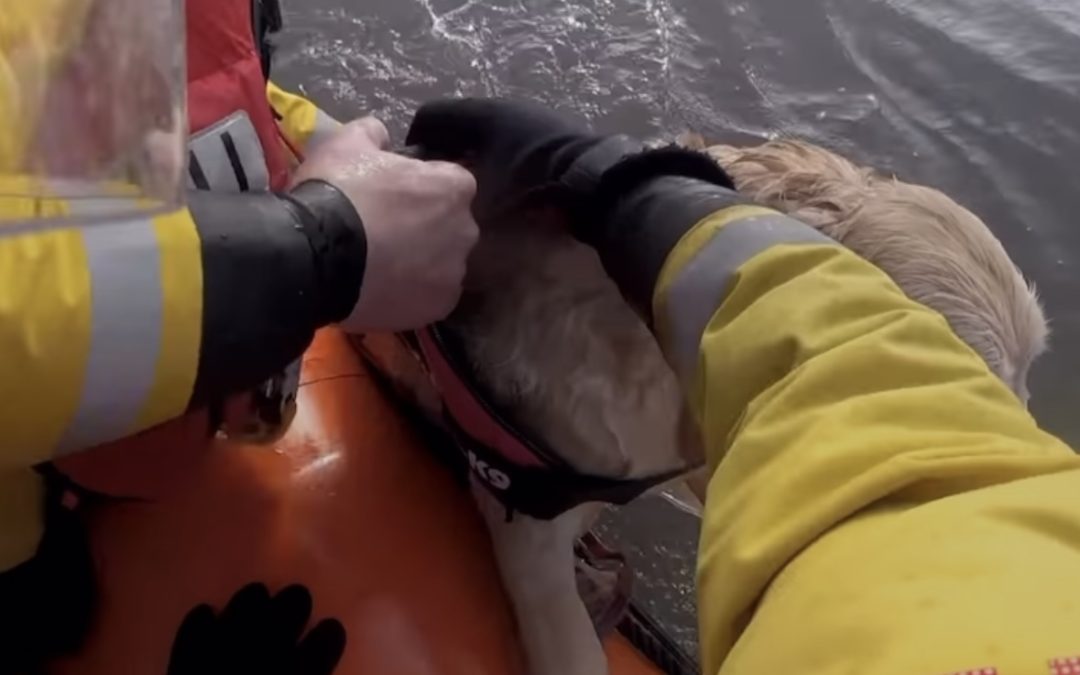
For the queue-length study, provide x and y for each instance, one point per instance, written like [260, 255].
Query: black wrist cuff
[336, 234]
[617, 167]
[644, 226]
[633, 172]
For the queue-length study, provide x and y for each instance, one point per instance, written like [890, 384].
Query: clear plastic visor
[92, 111]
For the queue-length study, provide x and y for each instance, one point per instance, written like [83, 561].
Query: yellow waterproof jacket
[879, 502]
[111, 329]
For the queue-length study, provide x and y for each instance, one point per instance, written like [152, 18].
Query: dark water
[979, 98]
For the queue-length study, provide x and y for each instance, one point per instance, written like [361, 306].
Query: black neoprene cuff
[275, 269]
[337, 238]
[644, 225]
[615, 167]
[634, 204]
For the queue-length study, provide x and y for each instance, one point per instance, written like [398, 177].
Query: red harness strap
[475, 420]
[520, 471]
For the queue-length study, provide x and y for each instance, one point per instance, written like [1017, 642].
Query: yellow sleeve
[879, 502]
[100, 335]
[100, 330]
[302, 122]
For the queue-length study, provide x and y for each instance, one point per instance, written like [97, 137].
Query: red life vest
[225, 76]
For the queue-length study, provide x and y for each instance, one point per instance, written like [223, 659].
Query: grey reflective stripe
[700, 286]
[229, 157]
[126, 323]
[325, 128]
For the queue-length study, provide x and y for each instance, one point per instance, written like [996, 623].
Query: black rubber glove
[257, 634]
[47, 602]
[518, 149]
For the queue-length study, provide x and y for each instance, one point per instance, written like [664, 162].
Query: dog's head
[945, 257]
[939, 253]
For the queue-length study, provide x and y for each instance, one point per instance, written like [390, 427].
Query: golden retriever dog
[938, 252]
[551, 338]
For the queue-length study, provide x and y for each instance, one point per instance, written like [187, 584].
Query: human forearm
[823, 394]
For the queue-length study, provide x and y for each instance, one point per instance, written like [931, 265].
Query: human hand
[257, 633]
[417, 222]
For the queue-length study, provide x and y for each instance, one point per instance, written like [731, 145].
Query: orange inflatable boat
[349, 503]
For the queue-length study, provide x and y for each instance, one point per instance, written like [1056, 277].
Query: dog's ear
[691, 140]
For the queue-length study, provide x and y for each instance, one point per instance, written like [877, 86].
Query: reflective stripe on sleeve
[181, 336]
[146, 322]
[698, 274]
[125, 333]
